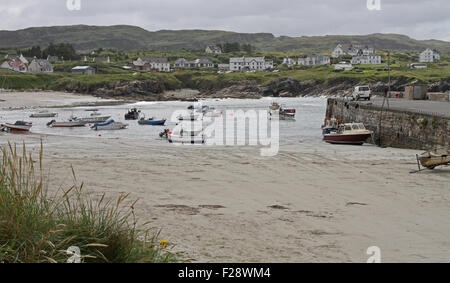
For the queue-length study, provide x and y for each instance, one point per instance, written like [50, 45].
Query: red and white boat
[353, 133]
[19, 126]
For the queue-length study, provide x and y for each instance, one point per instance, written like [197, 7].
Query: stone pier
[404, 124]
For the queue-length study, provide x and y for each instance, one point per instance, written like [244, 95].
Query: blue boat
[152, 122]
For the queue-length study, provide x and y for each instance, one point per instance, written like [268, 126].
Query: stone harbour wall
[393, 127]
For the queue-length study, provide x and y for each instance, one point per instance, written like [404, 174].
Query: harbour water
[306, 126]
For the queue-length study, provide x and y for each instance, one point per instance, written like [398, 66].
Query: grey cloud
[417, 18]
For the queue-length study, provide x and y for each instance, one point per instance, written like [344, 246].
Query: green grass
[36, 227]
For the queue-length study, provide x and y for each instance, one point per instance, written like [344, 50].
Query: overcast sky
[420, 19]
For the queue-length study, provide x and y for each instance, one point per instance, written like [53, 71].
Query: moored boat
[132, 114]
[152, 122]
[282, 112]
[109, 125]
[43, 114]
[19, 126]
[187, 133]
[330, 125]
[93, 119]
[68, 124]
[352, 133]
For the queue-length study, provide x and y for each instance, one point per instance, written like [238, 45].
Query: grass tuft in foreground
[36, 227]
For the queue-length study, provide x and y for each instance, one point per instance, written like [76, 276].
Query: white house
[314, 60]
[17, 58]
[344, 66]
[429, 56]
[212, 49]
[158, 64]
[40, 66]
[289, 62]
[352, 50]
[224, 67]
[249, 64]
[366, 60]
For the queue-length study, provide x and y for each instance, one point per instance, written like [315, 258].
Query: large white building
[366, 60]
[40, 66]
[249, 64]
[429, 56]
[352, 50]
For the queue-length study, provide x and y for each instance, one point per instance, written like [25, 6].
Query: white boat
[188, 117]
[44, 114]
[19, 126]
[188, 133]
[109, 125]
[98, 119]
[68, 124]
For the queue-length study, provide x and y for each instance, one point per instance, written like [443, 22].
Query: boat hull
[186, 139]
[50, 115]
[357, 139]
[67, 125]
[152, 123]
[17, 128]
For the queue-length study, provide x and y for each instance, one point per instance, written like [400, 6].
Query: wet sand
[41, 99]
[313, 202]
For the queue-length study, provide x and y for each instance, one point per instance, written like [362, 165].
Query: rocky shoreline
[144, 90]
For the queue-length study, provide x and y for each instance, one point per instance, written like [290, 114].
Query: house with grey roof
[197, 63]
[311, 60]
[40, 66]
[83, 70]
[429, 56]
[249, 64]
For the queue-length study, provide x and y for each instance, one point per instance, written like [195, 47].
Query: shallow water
[306, 127]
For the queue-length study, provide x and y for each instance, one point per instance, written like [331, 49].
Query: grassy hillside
[134, 38]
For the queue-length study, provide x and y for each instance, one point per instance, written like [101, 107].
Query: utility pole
[385, 99]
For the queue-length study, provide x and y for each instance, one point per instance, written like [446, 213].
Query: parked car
[362, 92]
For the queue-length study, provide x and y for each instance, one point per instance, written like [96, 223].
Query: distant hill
[132, 38]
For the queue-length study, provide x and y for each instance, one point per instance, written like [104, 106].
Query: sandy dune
[312, 202]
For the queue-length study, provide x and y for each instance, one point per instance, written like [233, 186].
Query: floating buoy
[99, 135]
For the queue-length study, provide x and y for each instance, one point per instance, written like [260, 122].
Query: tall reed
[37, 227]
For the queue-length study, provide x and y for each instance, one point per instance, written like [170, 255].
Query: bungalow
[83, 70]
[314, 60]
[149, 64]
[198, 63]
[213, 49]
[429, 56]
[14, 65]
[367, 60]
[249, 64]
[40, 66]
[343, 66]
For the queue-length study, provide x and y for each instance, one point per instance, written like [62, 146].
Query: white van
[361, 92]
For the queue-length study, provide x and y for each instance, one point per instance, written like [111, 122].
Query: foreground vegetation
[37, 227]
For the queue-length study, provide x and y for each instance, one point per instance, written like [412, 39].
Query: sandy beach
[19, 100]
[312, 202]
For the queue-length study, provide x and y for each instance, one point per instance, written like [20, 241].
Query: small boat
[94, 119]
[188, 117]
[43, 114]
[352, 133]
[109, 125]
[19, 126]
[132, 114]
[187, 133]
[152, 122]
[68, 124]
[283, 113]
[91, 110]
[331, 125]
[437, 157]
[95, 114]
